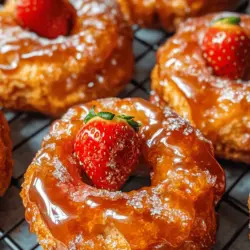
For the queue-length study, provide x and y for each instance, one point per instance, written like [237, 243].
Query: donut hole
[133, 183]
[139, 179]
[73, 18]
[136, 183]
[86, 179]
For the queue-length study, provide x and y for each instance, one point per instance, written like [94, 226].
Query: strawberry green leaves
[129, 119]
[234, 20]
[110, 116]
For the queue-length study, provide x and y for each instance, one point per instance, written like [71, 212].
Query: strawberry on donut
[93, 149]
[226, 48]
[109, 141]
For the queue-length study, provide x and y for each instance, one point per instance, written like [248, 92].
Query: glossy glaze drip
[186, 183]
[215, 105]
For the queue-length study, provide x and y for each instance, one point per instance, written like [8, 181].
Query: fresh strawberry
[47, 18]
[108, 148]
[226, 48]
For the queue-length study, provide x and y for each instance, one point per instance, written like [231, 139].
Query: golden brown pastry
[170, 13]
[175, 212]
[6, 163]
[49, 76]
[218, 106]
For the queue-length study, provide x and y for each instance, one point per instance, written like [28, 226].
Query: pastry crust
[49, 76]
[217, 106]
[170, 13]
[175, 212]
[6, 164]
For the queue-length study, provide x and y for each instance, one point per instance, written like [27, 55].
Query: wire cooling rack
[28, 131]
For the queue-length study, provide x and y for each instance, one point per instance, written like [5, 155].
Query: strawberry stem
[234, 20]
[110, 116]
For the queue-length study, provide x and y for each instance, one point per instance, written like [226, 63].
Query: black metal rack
[29, 129]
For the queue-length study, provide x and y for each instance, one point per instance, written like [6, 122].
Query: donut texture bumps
[175, 212]
[49, 76]
[218, 106]
[6, 163]
[170, 13]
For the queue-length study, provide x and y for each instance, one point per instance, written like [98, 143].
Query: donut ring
[170, 13]
[49, 76]
[6, 164]
[219, 107]
[175, 212]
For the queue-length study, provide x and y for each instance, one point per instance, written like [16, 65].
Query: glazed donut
[6, 163]
[170, 13]
[49, 76]
[218, 106]
[175, 212]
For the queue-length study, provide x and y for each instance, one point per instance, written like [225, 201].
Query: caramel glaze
[49, 76]
[170, 13]
[176, 212]
[219, 107]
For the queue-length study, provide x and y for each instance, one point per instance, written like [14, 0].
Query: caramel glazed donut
[49, 76]
[175, 212]
[6, 164]
[170, 13]
[219, 107]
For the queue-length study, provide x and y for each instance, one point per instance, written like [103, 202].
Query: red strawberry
[226, 48]
[47, 18]
[107, 147]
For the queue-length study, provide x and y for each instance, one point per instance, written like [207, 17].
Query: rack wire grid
[28, 131]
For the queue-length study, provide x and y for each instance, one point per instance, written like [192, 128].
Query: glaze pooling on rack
[186, 183]
[94, 61]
